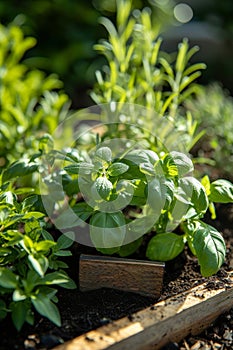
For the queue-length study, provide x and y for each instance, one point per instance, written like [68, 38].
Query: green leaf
[27, 243]
[169, 166]
[63, 253]
[19, 168]
[4, 252]
[138, 157]
[103, 186]
[46, 235]
[183, 163]
[18, 295]
[104, 154]
[72, 187]
[7, 278]
[221, 191]
[57, 277]
[182, 56]
[147, 169]
[28, 202]
[40, 264]
[82, 210]
[33, 215]
[205, 181]
[130, 248]
[117, 169]
[30, 226]
[195, 193]
[65, 240]
[80, 168]
[19, 313]
[13, 237]
[165, 246]
[47, 308]
[44, 246]
[210, 249]
[69, 285]
[3, 310]
[107, 230]
[8, 197]
[156, 195]
[24, 190]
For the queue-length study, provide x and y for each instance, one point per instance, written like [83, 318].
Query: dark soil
[82, 312]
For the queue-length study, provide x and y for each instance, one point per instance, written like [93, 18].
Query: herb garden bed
[125, 188]
[84, 311]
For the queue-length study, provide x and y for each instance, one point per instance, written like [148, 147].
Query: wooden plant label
[138, 276]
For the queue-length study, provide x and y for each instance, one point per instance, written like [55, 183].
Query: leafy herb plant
[120, 192]
[213, 109]
[30, 262]
[139, 72]
[122, 197]
[30, 103]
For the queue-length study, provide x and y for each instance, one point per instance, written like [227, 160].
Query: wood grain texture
[152, 328]
[142, 277]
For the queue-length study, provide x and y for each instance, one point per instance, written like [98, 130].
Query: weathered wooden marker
[138, 276]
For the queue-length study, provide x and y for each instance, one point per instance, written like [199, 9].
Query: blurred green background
[66, 31]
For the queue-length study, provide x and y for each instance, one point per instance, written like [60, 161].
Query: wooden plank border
[170, 320]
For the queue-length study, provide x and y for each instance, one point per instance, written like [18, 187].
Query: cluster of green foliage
[66, 31]
[166, 194]
[213, 109]
[29, 256]
[139, 72]
[30, 103]
[121, 192]
[30, 107]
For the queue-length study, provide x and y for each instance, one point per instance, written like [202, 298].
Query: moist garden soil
[84, 311]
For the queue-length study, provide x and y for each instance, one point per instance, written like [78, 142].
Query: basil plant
[121, 197]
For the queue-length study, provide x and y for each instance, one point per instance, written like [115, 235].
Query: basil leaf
[221, 191]
[104, 154]
[195, 193]
[210, 248]
[117, 169]
[107, 230]
[183, 162]
[79, 168]
[147, 169]
[130, 248]
[165, 246]
[103, 186]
